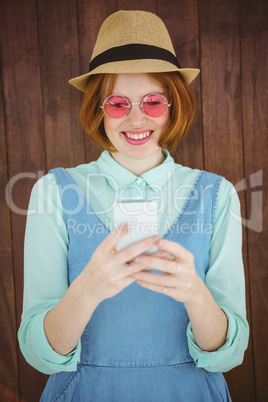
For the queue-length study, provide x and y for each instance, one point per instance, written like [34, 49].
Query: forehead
[136, 85]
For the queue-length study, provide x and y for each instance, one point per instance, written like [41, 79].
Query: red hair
[182, 110]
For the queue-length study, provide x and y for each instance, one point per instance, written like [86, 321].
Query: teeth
[138, 136]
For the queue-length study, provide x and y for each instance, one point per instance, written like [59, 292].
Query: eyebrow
[142, 96]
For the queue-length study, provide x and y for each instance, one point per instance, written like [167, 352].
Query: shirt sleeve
[45, 277]
[226, 281]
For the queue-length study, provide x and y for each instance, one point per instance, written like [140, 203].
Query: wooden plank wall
[46, 42]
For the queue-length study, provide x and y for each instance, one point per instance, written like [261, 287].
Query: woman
[106, 328]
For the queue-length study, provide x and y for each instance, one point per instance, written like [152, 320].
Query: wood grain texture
[91, 15]
[59, 62]
[222, 127]
[144, 5]
[9, 382]
[254, 51]
[43, 45]
[181, 19]
[25, 141]
[221, 87]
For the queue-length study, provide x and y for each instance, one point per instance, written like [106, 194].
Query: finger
[122, 270]
[130, 252]
[170, 291]
[111, 240]
[162, 264]
[161, 254]
[157, 279]
[125, 280]
[120, 279]
[176, 249]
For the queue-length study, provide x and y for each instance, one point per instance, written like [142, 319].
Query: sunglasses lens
[155, 105]
[116, 106]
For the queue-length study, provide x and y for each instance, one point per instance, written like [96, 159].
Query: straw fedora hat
[133, 42]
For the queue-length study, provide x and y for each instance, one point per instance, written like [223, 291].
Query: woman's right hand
[108, 271]
[105, 275]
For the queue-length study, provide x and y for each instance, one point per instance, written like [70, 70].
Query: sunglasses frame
[135, 103]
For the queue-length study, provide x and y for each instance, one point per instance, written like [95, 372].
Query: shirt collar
[119, 177]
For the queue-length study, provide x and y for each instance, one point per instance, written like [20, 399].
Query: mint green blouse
[102, 182]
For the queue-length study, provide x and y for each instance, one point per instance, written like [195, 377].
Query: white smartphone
[141, 216]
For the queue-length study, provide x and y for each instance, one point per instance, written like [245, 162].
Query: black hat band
[133, 52]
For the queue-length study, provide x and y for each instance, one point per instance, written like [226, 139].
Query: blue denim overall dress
[134, 347]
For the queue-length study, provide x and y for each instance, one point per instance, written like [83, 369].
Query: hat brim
[134, 67]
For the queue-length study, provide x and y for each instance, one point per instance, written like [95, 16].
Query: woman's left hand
[179, 279]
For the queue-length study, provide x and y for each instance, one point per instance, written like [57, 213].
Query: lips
[137, 135]
[146, 134]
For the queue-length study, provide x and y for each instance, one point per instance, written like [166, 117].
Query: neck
[139, 166]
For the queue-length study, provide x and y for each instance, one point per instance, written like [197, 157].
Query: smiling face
[138, 156]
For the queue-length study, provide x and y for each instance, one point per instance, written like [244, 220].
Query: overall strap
[72, 197]
[209, 186]
[193, 228]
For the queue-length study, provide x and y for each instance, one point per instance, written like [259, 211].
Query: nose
[136, 117]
